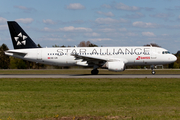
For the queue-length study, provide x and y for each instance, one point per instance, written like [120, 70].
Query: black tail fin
[19, 37]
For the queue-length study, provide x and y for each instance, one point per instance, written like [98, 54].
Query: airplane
[112, 58]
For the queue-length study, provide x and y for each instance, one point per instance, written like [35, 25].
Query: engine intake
[116, 66]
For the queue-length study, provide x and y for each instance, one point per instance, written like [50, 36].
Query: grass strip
[90, 98]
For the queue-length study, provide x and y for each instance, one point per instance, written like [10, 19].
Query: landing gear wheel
[94, 72]
[152, 68]
[153, 72]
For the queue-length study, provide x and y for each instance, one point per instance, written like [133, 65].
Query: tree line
[8, 62]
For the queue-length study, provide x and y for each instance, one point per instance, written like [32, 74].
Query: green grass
[142, 99]
[85, 71]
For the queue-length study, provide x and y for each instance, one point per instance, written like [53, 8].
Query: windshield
[165, 52]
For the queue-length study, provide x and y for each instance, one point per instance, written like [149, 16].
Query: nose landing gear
[152, 68]
[153, 72]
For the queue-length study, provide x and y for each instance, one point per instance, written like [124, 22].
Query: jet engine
[116, 66]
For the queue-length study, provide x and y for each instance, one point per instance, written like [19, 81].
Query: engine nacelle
[117, 66]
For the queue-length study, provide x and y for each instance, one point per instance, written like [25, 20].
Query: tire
[94, 72]
[153, 72]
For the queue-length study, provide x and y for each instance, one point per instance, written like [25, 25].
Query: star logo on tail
[21, 39]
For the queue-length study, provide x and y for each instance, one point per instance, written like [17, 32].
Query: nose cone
[173, 58]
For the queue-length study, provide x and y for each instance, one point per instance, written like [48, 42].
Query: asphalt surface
[87, 76]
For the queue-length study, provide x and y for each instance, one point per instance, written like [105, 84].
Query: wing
[87, 60]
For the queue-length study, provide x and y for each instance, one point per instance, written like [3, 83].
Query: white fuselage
[64, 56]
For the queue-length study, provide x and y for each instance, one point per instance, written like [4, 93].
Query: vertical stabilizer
[20, 39]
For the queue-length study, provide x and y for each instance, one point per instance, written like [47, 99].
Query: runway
[87, 76]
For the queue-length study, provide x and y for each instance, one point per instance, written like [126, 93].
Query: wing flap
[91, 60]
[96, 60]
[88, 57]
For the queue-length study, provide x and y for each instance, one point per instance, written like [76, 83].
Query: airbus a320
[112, 58]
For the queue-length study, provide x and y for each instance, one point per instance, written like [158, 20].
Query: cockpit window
[165, 52]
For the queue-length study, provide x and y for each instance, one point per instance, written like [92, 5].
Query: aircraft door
[153, 53]
[39, 54]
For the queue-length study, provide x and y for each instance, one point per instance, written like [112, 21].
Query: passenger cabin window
[165, 52]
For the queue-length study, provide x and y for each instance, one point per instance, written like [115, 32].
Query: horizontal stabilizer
[15, 52]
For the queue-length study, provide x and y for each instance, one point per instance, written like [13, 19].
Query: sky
[105, 23]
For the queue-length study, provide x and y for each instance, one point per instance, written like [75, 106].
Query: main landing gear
[152, 68]
[94, 72]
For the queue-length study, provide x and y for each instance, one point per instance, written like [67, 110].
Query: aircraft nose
[173, 58]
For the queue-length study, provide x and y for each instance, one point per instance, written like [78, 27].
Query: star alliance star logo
[21, 39]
